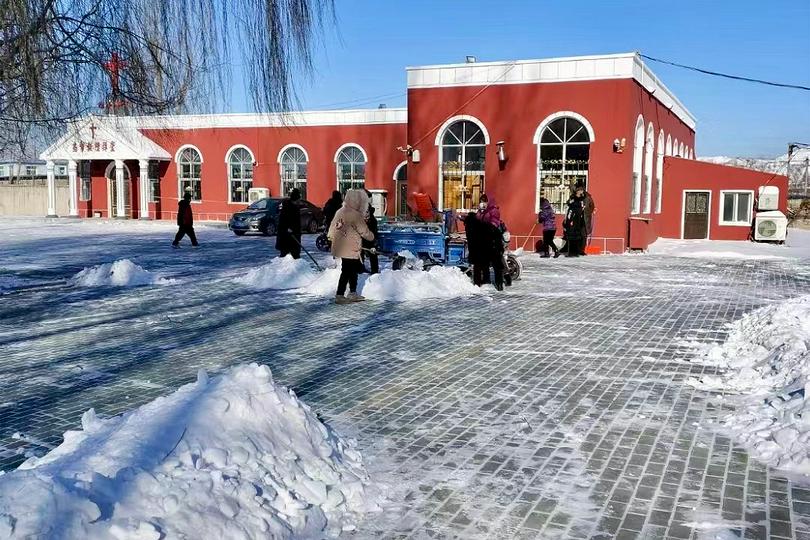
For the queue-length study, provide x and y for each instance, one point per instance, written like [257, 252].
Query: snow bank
[411, 285]
[797, 245]
[121, 273]
[280, 273]
[766, 365]
[406, 285]
[236, 457]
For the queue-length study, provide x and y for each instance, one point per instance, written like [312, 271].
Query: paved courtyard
[558, 409]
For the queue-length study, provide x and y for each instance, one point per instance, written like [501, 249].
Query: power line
[726, 75]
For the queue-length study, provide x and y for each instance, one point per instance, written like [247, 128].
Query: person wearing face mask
[490, 217]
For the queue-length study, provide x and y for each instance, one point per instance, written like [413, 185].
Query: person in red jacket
[185, 222]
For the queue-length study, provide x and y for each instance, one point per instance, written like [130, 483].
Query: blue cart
[432, 244]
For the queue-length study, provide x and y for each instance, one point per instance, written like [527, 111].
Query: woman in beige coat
[347, 231]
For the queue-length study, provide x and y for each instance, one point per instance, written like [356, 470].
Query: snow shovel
[311, 258]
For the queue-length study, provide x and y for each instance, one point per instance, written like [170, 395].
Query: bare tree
[61, 59]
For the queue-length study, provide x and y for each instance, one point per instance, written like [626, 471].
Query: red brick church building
[516, 130]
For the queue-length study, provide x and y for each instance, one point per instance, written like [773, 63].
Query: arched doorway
[112, 192]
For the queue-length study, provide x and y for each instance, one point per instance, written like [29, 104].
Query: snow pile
[121, 273]
[411, 285]
[766, 367]
[797, 245]
[280, 273]
[406, 285]
[234, 457]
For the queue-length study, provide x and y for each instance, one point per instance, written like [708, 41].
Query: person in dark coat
[331, 207]
[185, 221]
[547, 220]
[477, 248]
[574, 224]
[373, 258]
[288, 237]
[590, 210]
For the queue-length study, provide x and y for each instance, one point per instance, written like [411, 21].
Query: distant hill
[799, 167]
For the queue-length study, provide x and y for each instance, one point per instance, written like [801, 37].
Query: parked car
[262, 216]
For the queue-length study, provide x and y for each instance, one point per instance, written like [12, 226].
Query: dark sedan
[262, 216]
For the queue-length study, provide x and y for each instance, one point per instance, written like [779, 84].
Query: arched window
[675, 148]
[649, 147]
[463, 158]
[691, 154]
[293, 163]
[565, 145]
[680, 151]
[401, 183]
[351, 168]
[189, 171]
[659, 171]
[638, 158]
[240, 174]
[669, 145]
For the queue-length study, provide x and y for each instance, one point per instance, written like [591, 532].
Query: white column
[144, 190]
[120, 208]
[72, 185]
[51, 189]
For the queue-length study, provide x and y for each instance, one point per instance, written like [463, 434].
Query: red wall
[684, 174]
[512, 113]
[320, 142]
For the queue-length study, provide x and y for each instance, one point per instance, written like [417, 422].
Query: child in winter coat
[347, 232]
[546, 218]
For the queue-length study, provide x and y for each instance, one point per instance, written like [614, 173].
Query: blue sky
[365, 55]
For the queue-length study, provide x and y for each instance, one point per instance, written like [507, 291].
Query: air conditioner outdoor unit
[254, 194]
[768, 198]
[770, 226]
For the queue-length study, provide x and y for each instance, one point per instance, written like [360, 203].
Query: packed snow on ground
[280, 273]
[766, 364]
[797, 245]
[237, 456]
[9, 283]
[121, 273]
[406, 285]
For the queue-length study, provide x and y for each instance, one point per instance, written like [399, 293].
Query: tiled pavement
[558, 409]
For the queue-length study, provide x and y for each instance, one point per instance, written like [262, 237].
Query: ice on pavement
[767, 363]
[236, 456]
[121, 273]
[404, 285]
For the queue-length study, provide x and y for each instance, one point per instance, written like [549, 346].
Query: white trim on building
[287, 147]
[458, 118]
[551, 70]
[721, 204]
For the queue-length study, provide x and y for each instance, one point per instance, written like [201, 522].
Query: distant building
[21, 171]
[517, 130]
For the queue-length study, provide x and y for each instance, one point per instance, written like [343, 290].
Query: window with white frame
[736, 207]
[30, 171]
[240, 175]
[351, 169]
[3, 171]
[462, 158]
[638, 158]
[565, 146]
[648, 168]
[85, 180]
[189, 170]
[659, 171]
[153, 174]
[293, 171]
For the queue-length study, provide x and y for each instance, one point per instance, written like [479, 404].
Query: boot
[340, 300]
[354, 297]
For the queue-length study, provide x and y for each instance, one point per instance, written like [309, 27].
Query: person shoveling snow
[236, 456]
[347, 232]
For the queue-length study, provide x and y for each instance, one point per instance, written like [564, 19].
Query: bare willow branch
[179, 56]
